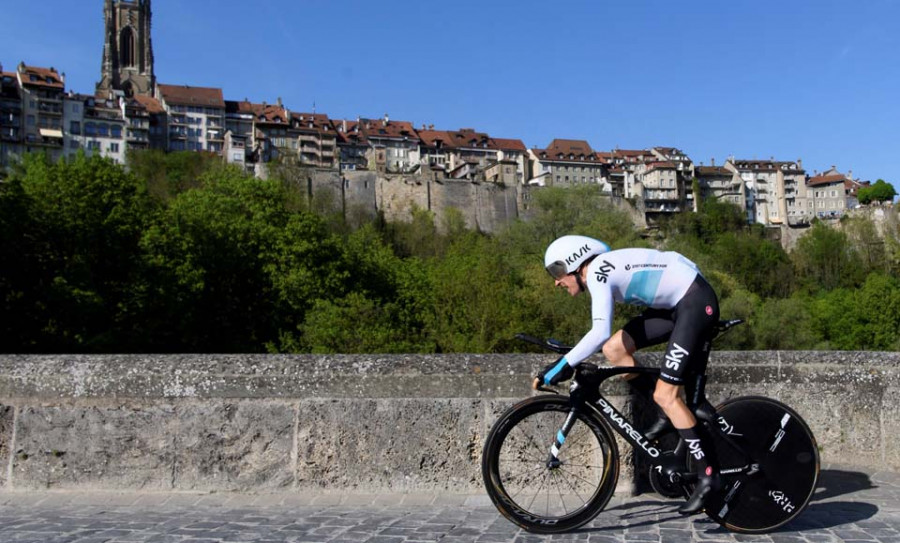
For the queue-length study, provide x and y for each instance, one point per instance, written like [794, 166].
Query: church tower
[127, 49]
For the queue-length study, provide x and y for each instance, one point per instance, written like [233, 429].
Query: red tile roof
[660, 166]
[319, 122]
[430, 138]
[568, 151]
[41, 77]
[509, 144]
[713, 170]
[151, 104]
[826, 180]
[754, 164]
[348, 132]
[261, 113]
[468, 137]
[185, 95]
[378, 128]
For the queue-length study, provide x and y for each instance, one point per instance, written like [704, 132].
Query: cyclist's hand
[555, 373]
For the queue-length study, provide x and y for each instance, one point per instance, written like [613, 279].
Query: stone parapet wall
[364, 423]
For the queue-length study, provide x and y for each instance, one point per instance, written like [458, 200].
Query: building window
[116, 131]
[127, 47]
[29, 120]
[94, 145]
[113, 147]
[75, 127]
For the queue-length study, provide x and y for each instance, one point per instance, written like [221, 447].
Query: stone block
[212, 446]
[240, 446]
[890, 444]
[390, 445]
[95, 447]
[7, 418]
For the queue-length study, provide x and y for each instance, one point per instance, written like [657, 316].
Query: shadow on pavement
[819, 514]
[834, 483]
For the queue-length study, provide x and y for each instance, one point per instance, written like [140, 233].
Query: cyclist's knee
[618, 349]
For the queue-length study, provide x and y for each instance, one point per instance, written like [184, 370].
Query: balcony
[49, 109]
[102, 115]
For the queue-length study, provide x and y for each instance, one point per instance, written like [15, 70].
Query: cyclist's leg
[688, 348]
[651, 327]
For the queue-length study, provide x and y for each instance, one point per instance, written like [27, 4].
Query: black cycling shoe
[705, 487]
[660, 426]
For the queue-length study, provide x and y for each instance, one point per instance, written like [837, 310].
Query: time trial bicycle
[550, 463]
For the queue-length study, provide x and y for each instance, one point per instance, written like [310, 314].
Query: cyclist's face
[569, 283]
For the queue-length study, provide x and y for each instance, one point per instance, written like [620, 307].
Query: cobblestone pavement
[849, 506]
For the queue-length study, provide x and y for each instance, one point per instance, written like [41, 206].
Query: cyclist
[682, 309]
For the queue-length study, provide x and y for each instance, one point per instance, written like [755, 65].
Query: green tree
[71, 233]
[168, 174]
[880, 191]
[235, 268]
[473, 288]
[385, 309]
[738, 304]
[868, 245]
[759, 264]
[825, 260]
[784, 324]
[860, 319]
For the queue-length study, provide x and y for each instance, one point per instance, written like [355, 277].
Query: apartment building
[831, 194]
[41, 91]
[316, 139]
[156, 118]
[435, 147]
[624, 165]
[791, 193]
[567, 163]
[10, 117]
[352, 145]
[660, 188]
[95, 125]
[759, 178]
[272, 138]
[720, 183]
[195, 117]
[393, 145]
[513, 151]
[470, 152]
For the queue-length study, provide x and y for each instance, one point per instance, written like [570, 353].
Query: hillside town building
[130, 110]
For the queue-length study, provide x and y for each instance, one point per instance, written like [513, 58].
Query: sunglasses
[557, 270]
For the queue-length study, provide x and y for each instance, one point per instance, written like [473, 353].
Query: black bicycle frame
[584, 394]
[613, 416]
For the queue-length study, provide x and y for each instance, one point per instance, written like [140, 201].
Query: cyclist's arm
[601, 327]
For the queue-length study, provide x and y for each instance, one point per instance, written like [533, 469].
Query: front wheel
[546, 492]
[774, 436]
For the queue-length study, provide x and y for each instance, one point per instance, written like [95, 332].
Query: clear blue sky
[812, 79]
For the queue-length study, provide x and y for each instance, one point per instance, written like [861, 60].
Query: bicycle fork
[553, 461]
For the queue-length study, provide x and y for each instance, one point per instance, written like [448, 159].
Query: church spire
[128, 50]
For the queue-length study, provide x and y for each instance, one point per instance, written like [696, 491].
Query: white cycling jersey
[633, 276]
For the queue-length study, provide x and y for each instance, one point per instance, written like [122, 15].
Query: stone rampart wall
[400, 423]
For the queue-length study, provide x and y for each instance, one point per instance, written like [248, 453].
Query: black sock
[699, 450]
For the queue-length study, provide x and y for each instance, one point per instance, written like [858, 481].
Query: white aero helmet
[566, 254]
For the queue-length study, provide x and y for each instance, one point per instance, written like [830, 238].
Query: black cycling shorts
[689, 328]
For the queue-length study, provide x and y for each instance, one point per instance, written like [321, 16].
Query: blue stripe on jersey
[642, 287]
